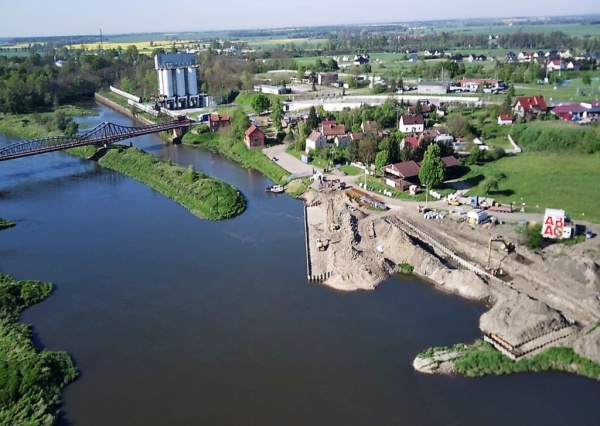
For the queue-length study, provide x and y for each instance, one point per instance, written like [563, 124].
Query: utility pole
[100, 48]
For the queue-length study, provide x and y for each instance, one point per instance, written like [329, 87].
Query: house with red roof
[401, 175]
[217, 121]
[254, 137]
[530, 105]
[410, 141]
[331, 129]
[556, 65]
[411, 123]
[504, 120]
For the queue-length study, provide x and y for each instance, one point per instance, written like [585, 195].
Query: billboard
[554, 223]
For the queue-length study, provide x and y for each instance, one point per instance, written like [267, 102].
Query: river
[173, 320]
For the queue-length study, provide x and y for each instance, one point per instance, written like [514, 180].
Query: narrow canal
[173, 320]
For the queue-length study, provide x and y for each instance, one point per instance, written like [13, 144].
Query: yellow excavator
[507, 246]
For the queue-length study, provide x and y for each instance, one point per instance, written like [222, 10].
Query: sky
[70, 17]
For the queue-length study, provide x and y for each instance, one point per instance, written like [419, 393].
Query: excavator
[507, 246]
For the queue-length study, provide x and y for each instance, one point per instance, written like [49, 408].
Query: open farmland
[577, 30]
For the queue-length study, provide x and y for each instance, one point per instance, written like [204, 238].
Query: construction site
[537, 299]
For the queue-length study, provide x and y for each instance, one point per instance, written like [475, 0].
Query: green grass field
[543, 180]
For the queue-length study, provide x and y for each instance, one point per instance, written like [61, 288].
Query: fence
[456, 258]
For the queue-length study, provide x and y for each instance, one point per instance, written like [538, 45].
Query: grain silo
[177, 80]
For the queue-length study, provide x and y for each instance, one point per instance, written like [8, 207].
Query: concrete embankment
[121, 109]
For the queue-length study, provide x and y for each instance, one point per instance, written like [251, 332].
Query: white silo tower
[169, 87]
[192, 82]
[180, 73]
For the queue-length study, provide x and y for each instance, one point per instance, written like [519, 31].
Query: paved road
[287, 161]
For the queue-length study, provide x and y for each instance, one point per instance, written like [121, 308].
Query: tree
[277, 114]
[312, 122]
[458, 126]
[491, 183]
[586, 80]
[261, 103]
[381, 159]
[367, 149]
[433, 169]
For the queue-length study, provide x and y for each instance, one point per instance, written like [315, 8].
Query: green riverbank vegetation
[30, 380]
[58, 122]
[229, 142]
[482, 359]
[5, 223]
[204, 196]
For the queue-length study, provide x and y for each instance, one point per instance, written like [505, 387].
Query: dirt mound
[588, 344]
[521, 319]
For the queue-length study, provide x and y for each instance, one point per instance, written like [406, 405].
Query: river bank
[481, 359]
[532, 312]
[30, 380]
[204, 196]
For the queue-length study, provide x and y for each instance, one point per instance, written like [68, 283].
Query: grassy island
[30, 380]
[482, 359]
[202, 195]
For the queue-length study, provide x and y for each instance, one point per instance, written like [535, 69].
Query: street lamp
[426, 193]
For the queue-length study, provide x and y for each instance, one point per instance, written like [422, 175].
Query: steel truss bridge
[104, 134]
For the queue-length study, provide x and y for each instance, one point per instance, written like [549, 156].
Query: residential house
[572, 66]
[327, 78]
[504, 120]
[439, 135]
[254, 137]
[476, 58]
[530, 105]
[217, 121]
[356, 136]
[411, 123]
[525, 56]
[369, 127]
[556, 65]
[361, 59]
[413, 57]
[410, 142]
[425, 110]
[401, 175]
[511, 58]
[342, 140]
[316, 140]
[331, 129]
[576, 112]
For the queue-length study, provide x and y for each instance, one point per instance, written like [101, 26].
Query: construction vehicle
[507, 246]
[453, 203]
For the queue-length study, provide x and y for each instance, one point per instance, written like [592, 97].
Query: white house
[316, 140]
[411, 124]
[556, 65]
[504, 120]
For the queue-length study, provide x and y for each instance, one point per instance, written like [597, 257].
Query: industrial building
[177, 81]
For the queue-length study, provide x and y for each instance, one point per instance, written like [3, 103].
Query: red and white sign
[554, 223]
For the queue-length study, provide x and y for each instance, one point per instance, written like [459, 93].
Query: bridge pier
[178, 133]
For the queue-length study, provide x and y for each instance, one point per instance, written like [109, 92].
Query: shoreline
[532, 314]
[34, 395]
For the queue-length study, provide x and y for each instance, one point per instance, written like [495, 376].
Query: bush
[531, 235]
[406, 268]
